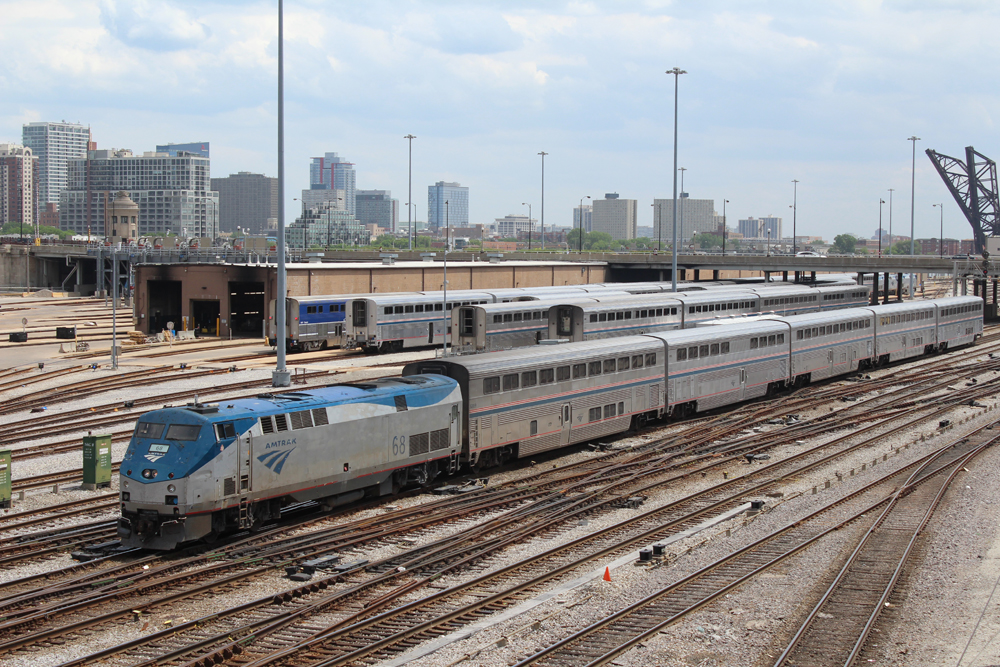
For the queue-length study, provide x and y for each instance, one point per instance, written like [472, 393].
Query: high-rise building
[325, 225]
[456, 213]
[247, 201]
[694, 216]
[18, 186]
[173, 193]
[54, 144]
[758, 228]
[199, 148]
[615, 216]
[332, 172]
[587, 212]
[377, 207]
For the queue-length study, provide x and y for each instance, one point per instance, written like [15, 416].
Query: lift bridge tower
[973, 184]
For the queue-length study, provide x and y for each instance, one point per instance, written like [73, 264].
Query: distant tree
[845, 243]
[903, 248]
[29, 230]
[708, 241]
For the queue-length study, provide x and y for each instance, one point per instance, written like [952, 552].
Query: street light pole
[795, 210]
[444, 288]
[543, 154]
[890, 217]
[913, 180]
[529, 223]
[581, 222]
[677, 71]
[409, 194]
[940, 238]
[725, 227]
[768, 241]
[281, 377]
[880, 202]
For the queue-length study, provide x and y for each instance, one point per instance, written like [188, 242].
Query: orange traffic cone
[607, 574]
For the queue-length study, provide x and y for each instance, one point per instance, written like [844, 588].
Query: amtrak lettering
[279, 443]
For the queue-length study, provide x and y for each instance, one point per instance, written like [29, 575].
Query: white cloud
[823, 92]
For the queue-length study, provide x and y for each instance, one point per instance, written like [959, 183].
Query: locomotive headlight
[171, 488]
[149, 473]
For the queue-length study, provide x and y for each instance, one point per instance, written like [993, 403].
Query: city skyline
[774, 92]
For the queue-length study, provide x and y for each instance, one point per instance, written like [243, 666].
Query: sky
[825, 93]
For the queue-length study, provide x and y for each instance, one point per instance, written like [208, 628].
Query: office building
[326, 225]
[248, 201]
[587, 212]
[18, 186]
[199, 148]
[456, 213]
[615, 216]
[313, 198]
[514, 226]
[173, 193]
[758, 228]
[377, 207]
[694, 216]
[332, 172]
[54, 144]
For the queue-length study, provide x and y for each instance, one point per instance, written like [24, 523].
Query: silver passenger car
[522, 402]
[713, 366]
[829, 344]
[960, 321]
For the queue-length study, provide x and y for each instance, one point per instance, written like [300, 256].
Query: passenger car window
[491, 385]
[594, 368]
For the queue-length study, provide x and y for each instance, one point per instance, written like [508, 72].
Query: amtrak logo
[275, 460]
[153, 458]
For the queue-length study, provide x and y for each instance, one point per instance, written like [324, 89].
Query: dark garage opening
[205, 316]
[246, 303]
[164, 304]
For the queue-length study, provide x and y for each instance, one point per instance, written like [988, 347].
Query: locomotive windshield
[148, 430]
[183, 432]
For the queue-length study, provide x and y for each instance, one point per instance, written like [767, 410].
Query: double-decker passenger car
[519, 403]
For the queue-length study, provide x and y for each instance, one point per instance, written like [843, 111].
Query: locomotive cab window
[149, 430]
[225, 431]
[186, 432]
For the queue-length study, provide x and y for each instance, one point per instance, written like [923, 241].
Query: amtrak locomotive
[198, 471]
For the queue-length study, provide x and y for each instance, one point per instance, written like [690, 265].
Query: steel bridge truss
[973, 184]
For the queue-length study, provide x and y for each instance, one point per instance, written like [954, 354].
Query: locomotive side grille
[266, 425]
[320, 417]
[400, 403]
[281, 422]
[439, 439]
[418, 444]
[229, 484]
[301, 419]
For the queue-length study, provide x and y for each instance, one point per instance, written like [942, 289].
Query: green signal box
[5, 479]
[96, 461]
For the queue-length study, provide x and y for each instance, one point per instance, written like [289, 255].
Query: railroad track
[835, 631]
[604, 641]
[452, 554]
[271, 640]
